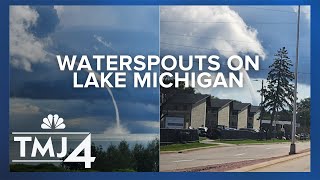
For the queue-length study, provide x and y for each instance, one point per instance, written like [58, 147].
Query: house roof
[238, 106]
[254, 109]
[187, 98]
[219, 103]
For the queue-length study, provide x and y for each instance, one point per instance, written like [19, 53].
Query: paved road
[301, 164]
[219, 155]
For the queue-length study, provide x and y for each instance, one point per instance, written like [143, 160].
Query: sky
[229, 30]
[38, 88]
[37, 34]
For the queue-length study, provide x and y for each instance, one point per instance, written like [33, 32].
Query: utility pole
[261, 107]
[261, 102]
[294, 116]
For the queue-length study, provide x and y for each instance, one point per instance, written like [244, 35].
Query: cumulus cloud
[226, 30]
[25, 48]
[59, 10]
[24, 115]
[23, 108]
[148, 124]
[91, 122]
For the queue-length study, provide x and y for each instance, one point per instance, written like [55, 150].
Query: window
[185, 107]
[233, 125]
[213, 111]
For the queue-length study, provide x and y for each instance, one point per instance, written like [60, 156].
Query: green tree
[124, 158]
[138, 157]
[121, 158]
[167, 93]
[99, 163]
[279, 92]
[112, 158]
[153, 160]
[303, 116]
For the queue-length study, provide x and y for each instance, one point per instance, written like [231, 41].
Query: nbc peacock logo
[48, 153]
[53, 122]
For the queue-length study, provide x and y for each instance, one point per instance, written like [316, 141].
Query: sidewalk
[301, 164]
[292, 163]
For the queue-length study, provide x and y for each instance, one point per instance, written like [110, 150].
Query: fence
[241, 134]
[170, 136]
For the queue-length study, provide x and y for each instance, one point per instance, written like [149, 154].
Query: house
[239, 115]
[218, 113]
[186, 110]
[254, 115]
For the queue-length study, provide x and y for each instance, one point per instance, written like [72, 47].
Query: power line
[269, 9]
[276, 10]
[210, 49]
[225, 65]
[208, 37]
[224, 22]
[194, 47]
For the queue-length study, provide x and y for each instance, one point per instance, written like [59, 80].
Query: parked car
[221, 127]
[249, 129]
[202, 131]
[303, 136]
[231, 129]
[214, 133]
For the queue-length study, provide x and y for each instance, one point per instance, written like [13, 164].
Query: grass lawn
[249, 141]
[202, 138]
[179, 147]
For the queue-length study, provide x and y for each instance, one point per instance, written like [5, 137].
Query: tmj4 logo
[52, 122]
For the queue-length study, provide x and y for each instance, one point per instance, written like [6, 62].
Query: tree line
[122, 158]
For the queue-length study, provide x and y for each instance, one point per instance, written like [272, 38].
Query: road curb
[192, 149]
[258, 143]
[218, 145]
[269, 163]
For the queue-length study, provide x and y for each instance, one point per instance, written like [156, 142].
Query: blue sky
[229, 30]
[38, 87]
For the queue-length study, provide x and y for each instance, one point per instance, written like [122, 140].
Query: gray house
[218, 113]
[239, 115]
[254, 115]
[185, 111]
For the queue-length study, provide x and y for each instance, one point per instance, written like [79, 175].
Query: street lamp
[294, 118]
[261, 108]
